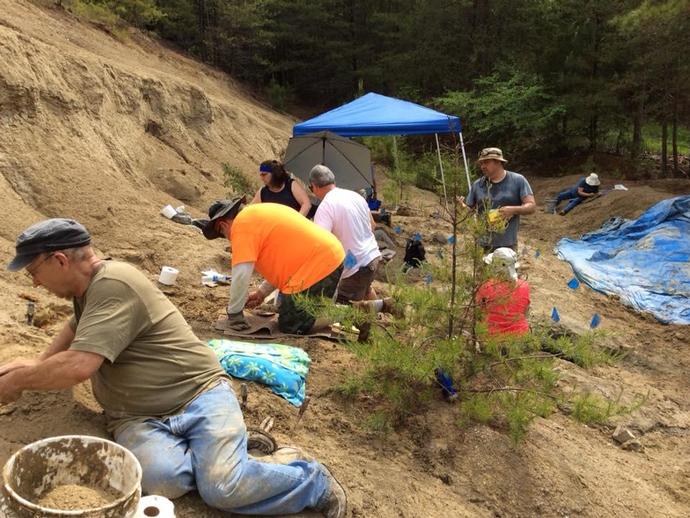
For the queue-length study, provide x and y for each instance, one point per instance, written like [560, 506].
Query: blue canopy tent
[377, 115]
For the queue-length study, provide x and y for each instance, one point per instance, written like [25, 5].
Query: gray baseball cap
[47, 236]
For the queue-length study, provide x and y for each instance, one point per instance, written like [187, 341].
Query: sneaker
[335, 500]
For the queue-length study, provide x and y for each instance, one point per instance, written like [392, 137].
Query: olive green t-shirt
[154, 364]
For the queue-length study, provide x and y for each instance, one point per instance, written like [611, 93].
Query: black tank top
[284, 196]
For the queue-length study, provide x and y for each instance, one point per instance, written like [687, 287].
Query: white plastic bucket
[168, 275]
[168, 211]
[70, 459]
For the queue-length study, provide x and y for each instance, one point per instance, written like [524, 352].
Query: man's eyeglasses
[32, 273]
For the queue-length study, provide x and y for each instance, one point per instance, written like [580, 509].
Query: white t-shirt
[346, 214]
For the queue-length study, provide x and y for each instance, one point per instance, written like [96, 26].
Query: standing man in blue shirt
[586, 188]
[503, 194]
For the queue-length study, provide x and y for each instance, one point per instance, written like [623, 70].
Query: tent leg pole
[464, 159]
[397, 171]
[443, 177]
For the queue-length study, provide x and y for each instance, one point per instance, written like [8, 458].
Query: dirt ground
[108, 131]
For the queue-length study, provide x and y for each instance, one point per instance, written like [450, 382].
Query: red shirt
[505, 306]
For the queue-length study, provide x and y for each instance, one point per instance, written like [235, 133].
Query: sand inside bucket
[73, 497]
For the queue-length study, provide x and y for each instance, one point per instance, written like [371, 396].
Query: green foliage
[379, 422]
[279, 96]
[562, 77]
[511, 106]
[580, 350]
[590, 409]
[237, 182]
[112, 13]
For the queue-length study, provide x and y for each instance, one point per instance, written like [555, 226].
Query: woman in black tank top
[279, 187]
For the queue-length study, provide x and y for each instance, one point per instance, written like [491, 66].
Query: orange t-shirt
[288, 250]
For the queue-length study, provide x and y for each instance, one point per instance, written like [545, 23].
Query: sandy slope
[76, 105]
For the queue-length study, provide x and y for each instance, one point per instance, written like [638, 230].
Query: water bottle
[450, 393]
[215, 277]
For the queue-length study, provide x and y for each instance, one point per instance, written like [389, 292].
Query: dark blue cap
[48, 236]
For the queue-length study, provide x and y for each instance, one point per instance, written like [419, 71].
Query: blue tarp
[374, 114]
[644, 261]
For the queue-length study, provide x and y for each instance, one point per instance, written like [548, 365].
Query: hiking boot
[335, 500]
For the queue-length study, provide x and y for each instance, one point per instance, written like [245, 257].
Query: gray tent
[349, 161]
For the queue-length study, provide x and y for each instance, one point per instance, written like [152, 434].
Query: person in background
[503, 193]
[374, 204]
[347, 216]
[289, 251]
[504, 299]
[280, 187]
[163, 392]
[586, 188]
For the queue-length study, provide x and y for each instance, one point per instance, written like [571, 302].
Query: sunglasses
[31, 273]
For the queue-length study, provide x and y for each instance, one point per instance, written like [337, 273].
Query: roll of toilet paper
[154, 505]
[168, 275]
[168, 211]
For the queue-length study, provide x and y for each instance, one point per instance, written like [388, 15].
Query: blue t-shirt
[589, 189]
[485, 195]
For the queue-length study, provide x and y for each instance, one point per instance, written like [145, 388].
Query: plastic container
[154, 505]
[168, 211]
[168, 275]
[494, 216]
[71, 459]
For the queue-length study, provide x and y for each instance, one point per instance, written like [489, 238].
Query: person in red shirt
[504, 299]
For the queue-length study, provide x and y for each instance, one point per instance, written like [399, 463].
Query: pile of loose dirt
[73, 497]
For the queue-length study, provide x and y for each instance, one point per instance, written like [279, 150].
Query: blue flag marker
[350, 260]
[428, 278]
[537, 253]
[596, 320]
[451, 239]
[397, 230]
[417, 237]
[554, 315]
[573, 284]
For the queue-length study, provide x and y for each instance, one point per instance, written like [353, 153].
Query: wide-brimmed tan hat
[491, 153]
[593, 179]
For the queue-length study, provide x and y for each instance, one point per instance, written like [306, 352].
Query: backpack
[415, 254]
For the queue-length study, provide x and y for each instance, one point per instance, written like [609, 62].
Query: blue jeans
[569, 194]
[204, 447]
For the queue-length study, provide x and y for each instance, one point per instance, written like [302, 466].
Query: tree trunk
[674, 140]
[593, 123]
[619, 142]
[664, 150]
[636, 144]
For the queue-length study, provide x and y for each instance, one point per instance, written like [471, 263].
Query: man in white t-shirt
[346, 214]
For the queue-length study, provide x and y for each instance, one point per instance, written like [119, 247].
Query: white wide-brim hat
[504, 258]
[593, 179]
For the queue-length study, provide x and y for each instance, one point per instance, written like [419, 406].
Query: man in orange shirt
[289, 251]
